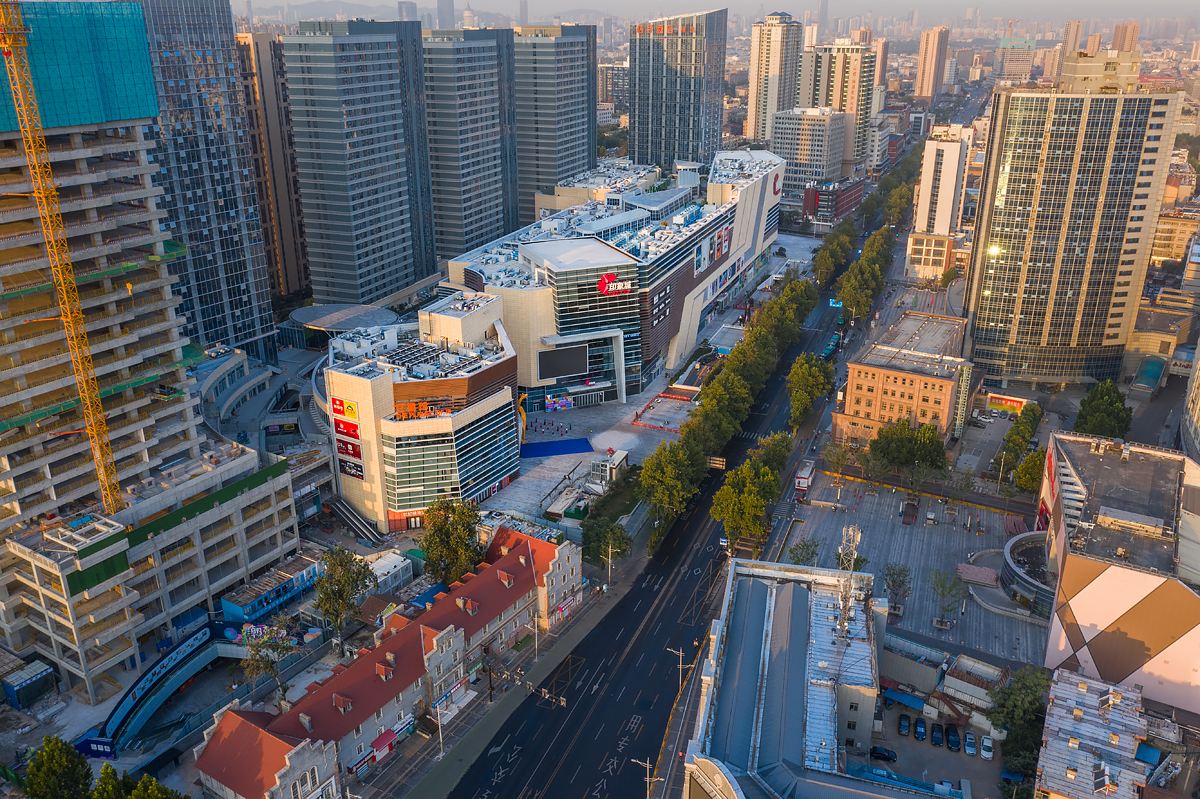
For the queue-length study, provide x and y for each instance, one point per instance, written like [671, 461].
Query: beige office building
[812, 142]
[841, 76]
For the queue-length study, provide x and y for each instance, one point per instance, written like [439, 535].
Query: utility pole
[610, 561]
[649, 780]
[1003, 455]
[441, 747]
[679, 652]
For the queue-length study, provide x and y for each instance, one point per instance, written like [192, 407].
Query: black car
[919, 728]
[953, 742]
[879, 753]
[935, 737]
[903, 725]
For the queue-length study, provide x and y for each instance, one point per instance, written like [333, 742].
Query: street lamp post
[649, 780]
[679, 652]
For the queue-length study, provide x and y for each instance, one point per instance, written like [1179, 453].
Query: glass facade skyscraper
[1072, 187]
[207, 175]
[676, 88]
[357, 93]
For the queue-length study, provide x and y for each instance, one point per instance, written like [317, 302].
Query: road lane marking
[576, 774]
[598, 733]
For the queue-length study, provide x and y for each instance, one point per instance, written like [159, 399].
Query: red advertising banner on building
[348, 449]
[347, 429]
[351, 469]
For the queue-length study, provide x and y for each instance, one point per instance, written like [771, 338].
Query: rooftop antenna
[847, 554]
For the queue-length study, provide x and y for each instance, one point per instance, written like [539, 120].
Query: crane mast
[16, 58]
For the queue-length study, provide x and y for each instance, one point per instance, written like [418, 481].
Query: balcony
[179, 571]
[99, 605]
[175, 550]
[100, 656]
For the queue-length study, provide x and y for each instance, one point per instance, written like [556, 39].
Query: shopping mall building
[600, 299]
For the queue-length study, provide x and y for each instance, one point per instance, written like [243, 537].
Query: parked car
[919, 728]
[936, 737]
[879, 753]
[985, 747]
[904, 724]
[969, 743]
[888, 702]
[953, 742]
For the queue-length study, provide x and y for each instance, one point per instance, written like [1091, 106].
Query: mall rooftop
[432, 351]
[925, 333]
[613, 174]
[634, 230]
[1132, 496]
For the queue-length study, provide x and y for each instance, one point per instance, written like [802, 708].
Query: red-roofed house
[240, 759]
[558, 568]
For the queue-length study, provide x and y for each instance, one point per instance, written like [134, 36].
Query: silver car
[985, 747]
[969, 743]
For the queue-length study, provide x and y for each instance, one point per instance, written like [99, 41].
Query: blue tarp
[427, 597]
[904, 699]
[566, 446]
[1148, 754]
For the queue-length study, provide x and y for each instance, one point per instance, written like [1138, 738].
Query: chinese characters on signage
[349, 449]
[351, 469]
[611, 286]
[344, 408]
[347, 429]
[418, 410]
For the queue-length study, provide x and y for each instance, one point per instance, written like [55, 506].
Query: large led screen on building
[562, 362]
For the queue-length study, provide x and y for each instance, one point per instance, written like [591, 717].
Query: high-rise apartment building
[880, 46]
[446, 19]
[78, 590]
[1094, 44]
[1071, 189]
[943, 171]
[811, 140]
[823, 14]
[812, 34]
[775, 47]
[207, 175]
[676, 86]
[613, 85]
[555, 98]
[1014, 59]
[407, 11]
[1073, 36]
[1196, 50]
[269, 124]
[523, 14]
[608, 31]
[841, 76]
[931, 63]
[1125, 37]
[861, 35]
[469, 79]
[362, 152]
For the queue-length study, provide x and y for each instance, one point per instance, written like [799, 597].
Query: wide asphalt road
[621, 682]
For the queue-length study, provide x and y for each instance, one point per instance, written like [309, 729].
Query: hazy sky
[933, 11]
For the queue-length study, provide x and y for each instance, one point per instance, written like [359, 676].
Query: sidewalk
[415, 769]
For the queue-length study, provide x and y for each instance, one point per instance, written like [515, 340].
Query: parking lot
[924, 761]
[923, 547]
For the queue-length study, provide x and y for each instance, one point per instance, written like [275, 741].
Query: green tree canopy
[57, 771]
[809, 378]
[346, 579]
[773, 452]
[949, 276]
[602, 535]
[1103, 412]
[837, 457]
[948, 590]
[1029, 475]
[896, 444]
[150, 788]
[109, 784]
[265, 650]
[1021, 702]
[666, 480]
[897, 580]
[450, 543]
[928, 449]
[740, 503]
[804, 552]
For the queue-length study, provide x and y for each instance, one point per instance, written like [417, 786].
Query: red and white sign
[775, 185]
[347, 429]
[348, 449]
[610, 286]
[1050, 475]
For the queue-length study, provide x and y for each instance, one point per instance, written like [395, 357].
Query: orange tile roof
[359, 688]
[238, 733]
[488, 591]
[543, 551]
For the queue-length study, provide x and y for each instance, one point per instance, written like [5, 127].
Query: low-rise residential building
[1121, 523]
[829, 203]
[282, 583]
[930, 255]
[1090, 740]
[421, 664]
[766, 718]
[1176, 227]
[422, 417]
[910, 374]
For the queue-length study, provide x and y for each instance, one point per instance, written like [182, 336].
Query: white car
[985, 747]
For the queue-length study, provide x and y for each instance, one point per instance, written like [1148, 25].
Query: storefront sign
[610, 286]
[344, 408]
[349, 449]
[347, 429]
[559, 403]
[351, 469]
[418, 410]
[1003, 403]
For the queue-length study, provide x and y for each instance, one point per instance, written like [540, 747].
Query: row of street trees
[741, 503]
[671, 475]
[58, 771]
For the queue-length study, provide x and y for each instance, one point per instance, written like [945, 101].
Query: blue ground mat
[566, 446]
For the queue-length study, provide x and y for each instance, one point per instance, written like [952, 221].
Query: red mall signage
[610, 286]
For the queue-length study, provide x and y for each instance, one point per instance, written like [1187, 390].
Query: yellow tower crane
[12, 43]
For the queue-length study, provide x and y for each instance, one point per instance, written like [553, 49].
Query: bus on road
[804, 476]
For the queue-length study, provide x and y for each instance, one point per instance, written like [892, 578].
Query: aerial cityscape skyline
[480, 401]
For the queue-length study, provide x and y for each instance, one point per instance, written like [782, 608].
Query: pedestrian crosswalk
[748, 434]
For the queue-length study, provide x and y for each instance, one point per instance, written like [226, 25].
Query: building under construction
[200, 516]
